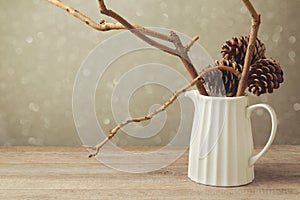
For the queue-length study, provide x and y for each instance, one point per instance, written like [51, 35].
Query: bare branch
[255, 22]
[180, 50]
[186, 61]
[130, 27]
[155, 34]
[251, 9]
[139, 31]
[229, 69]
[114, 131]
[104, 26]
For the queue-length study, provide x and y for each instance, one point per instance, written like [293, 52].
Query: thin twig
[114, 131]
[229, 69]
[255, 22]
[191, 43]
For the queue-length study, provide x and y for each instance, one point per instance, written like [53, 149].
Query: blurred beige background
[42, 48]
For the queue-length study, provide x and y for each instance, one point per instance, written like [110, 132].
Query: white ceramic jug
[221, 144]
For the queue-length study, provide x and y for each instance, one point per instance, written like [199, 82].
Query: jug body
[221, 144]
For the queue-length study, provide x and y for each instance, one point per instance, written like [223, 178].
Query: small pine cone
[264, 76]
[214, 82]
[222, 83]
[230, 81]
[236, 48]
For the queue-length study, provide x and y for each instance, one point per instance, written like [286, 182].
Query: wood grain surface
[67, 173]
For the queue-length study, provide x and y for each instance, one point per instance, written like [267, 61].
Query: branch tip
[191, 43]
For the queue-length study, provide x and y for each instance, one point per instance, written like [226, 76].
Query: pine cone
[236, 48]
[214, 82]
[264, 76]
[222, 83]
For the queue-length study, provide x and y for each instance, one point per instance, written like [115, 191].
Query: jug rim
[219, 97]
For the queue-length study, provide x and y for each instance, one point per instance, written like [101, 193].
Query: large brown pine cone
[222, 83]
[236, 48]
[265, 75]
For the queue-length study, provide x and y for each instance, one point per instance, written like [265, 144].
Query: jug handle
[272, 113]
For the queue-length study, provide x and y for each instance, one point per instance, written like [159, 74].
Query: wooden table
[67, 173]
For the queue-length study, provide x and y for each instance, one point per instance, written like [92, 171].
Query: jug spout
[192, 94]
